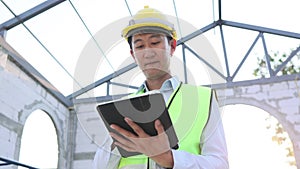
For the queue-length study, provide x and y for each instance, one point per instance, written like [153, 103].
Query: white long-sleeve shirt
[212, 142]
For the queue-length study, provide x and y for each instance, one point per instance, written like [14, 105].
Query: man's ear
[132, 54]
[173, 46]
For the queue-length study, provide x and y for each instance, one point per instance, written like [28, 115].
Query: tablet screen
[143, 110]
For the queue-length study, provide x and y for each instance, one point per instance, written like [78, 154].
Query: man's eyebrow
[155, 36]
[152, 36]
[136, 41]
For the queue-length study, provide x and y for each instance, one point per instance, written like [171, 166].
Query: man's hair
[129, 40]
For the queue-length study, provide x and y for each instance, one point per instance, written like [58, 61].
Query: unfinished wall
[280, 99]
[20, 95]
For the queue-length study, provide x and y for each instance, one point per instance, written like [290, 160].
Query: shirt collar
[169, 84]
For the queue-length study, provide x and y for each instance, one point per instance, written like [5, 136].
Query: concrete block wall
[280, 99]
[90, 134]
[20, 95]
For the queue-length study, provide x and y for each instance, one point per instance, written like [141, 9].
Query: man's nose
[149, 52]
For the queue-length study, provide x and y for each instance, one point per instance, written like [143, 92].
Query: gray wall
[20, 95]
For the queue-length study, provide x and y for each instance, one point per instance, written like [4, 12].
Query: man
[193, 110]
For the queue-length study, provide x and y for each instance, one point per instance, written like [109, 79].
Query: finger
[121, 141]
[136, 128]
[159, 127]
[125, 147]
[122, 131]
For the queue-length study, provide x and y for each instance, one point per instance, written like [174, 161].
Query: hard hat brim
[148, 28]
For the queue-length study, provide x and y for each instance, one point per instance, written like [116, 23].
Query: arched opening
[39, 144]
[254, 139]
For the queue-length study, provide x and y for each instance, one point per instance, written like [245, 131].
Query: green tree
[281, 137]
[292, 67]
[276, 59]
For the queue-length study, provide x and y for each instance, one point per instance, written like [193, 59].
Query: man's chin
[151, 71]
[154, 73]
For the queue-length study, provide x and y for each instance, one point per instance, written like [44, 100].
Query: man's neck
[155, 84]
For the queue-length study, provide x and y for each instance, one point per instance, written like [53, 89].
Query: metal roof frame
[67, 100]
[16, 58]
[17, 20]
[229, 78]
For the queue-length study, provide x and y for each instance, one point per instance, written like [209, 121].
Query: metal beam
[123, 85]
[225, 54]
[184, 64]
[246, 56]
[29, 14]
[238, 25]
[293, 53]
[11, 162]
[98, 99]
[220, 9]
[204, 61]
[197, 33]
[261, 29]
[3, 33]
[101, 81]
[267, 56]
[273, 79]
[33, 73]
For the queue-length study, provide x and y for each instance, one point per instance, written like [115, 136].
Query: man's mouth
[151, 63]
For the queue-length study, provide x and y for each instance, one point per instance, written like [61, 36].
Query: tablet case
[142, 109]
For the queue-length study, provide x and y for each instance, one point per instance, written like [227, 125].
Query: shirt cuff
[181, 160]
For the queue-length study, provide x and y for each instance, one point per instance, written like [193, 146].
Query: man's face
[152, 53]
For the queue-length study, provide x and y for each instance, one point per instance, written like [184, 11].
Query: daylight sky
[63, 33]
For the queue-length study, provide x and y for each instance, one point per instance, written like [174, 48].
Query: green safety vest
[189, 108]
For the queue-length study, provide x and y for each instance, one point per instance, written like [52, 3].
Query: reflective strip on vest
[191, 100]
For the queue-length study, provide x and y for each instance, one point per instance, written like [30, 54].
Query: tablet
[143, 110]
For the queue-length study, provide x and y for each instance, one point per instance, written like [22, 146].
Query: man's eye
[139, 46]
[155, 43]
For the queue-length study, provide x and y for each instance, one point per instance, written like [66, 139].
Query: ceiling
[63, 39]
